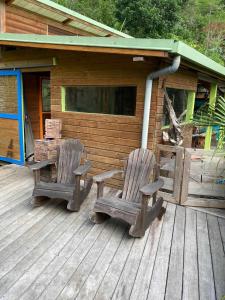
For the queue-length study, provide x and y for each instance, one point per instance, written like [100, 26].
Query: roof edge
[82, 17]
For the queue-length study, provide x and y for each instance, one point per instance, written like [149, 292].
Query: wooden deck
[50, 253]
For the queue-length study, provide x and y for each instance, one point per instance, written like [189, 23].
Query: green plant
[213, 116]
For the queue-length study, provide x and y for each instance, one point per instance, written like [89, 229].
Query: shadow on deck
[48, 252]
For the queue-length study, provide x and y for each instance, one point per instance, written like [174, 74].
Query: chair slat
[69, 159]
[139, 167]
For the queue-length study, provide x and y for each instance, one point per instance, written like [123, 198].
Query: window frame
[63, 100]
[191, 95]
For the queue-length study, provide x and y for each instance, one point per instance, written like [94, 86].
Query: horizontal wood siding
[20, 21]
[183, 79]
[108, 138]
[20, 24]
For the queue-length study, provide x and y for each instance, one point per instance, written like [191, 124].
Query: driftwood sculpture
[132, 206]
[69, 174]
[175, 132]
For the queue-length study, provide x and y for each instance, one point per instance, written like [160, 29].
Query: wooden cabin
[56, 63]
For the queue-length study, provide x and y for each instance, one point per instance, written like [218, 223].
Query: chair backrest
[69, 158]
[140, 165]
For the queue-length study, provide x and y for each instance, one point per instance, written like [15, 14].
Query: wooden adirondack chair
[69, 172]
[132, 205]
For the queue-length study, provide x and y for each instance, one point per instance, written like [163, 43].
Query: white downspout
[148, 96]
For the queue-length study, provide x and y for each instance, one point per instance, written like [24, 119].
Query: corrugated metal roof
[171, 46]
[60, 13]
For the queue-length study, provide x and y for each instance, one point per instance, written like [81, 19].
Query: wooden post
[190, 106]
[2, 16]
[212, 102]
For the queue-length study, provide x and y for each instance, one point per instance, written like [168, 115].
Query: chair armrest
[82, 169]
[106, 175]
[42, 164]
[151, 188]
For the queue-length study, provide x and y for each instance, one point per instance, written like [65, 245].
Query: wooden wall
[20, 21]
[108, 138]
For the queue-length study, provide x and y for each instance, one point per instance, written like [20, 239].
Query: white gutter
[148, 96]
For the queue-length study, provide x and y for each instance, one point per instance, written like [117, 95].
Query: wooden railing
[193, 177]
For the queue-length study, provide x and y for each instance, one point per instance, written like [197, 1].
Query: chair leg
[73, 205]
[97, 217]
[38, 201]
[156, 211]
[137, 229]
[161, 213]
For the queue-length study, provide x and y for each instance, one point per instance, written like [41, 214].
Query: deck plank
[175, 271]
[222, 231]
[78, 278]
[95, 277]
[111, 278]
[159, 277]
[128, 275]
[46, 249]
[206, 277]
[143, 278]
[50, 253]
[190, 272]
[217, 251]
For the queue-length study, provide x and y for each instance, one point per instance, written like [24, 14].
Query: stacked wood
[46, 149]
[53, 128]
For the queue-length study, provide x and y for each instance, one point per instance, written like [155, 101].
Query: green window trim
[190, 106]
[63, 98]
[212, 101]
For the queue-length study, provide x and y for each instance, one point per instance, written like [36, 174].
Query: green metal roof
[60, 13]
[170, 46]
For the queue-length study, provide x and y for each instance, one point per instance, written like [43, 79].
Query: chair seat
[118, 208]
[55, 186]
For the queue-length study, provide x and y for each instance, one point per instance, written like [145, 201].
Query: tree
[148, 18]
[99, 10]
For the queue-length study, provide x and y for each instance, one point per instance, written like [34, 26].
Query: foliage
[199, 23]
[99, 10]
[148, 18]
[202, 26]
[209, 115]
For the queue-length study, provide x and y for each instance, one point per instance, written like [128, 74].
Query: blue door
[11, 117]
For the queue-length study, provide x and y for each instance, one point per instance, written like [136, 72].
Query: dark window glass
[179, 102]
[102, 100]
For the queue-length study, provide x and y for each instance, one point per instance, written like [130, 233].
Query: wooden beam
[212, 102]
[9, 2]
[121, 51]
[2, 16]
[28, 64]
[67, 21]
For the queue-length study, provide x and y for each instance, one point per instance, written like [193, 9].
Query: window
[179, 100]
[101, 99]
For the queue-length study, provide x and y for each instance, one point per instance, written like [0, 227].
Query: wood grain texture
[132, 207]
[190, 276]
[68, 182]
[206, 274]
[48, 253]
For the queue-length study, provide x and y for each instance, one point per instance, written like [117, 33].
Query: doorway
[37, 107]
